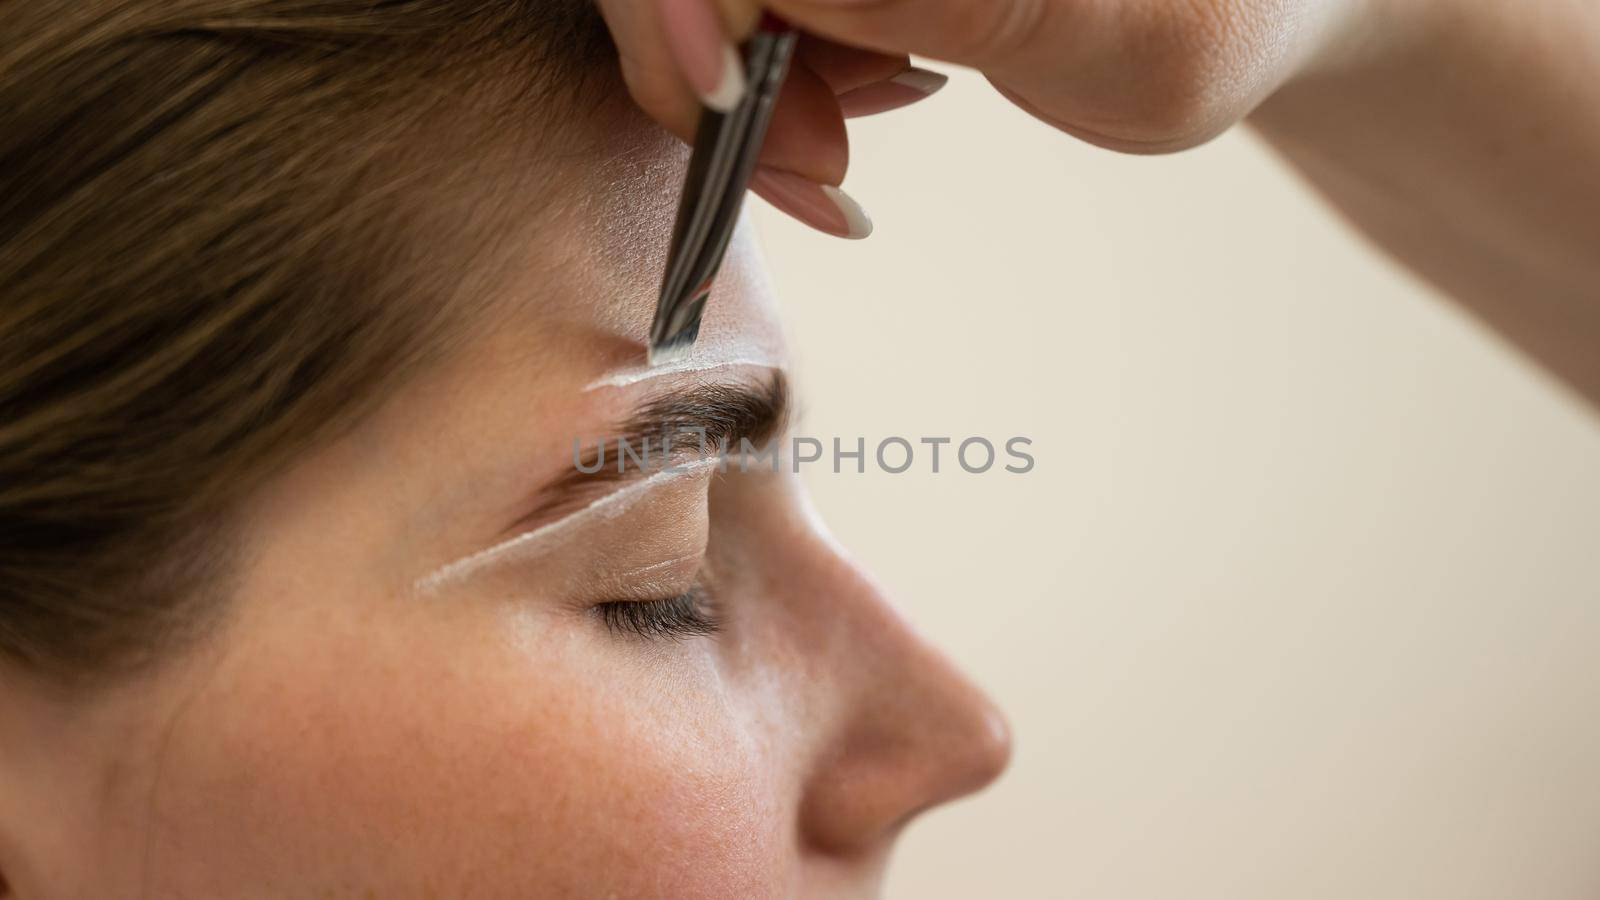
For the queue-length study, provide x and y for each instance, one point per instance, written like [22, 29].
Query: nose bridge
[906, 730]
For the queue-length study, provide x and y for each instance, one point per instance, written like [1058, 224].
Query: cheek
[560, 763]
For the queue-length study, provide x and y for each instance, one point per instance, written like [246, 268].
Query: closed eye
[687, 615]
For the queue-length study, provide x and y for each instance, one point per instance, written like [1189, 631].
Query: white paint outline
[608, 507]
[629, 377]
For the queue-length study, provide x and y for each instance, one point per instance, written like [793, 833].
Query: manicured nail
[892, 93]
[713, 68]
[822, 206]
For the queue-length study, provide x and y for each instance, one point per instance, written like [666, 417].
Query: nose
[907, 731]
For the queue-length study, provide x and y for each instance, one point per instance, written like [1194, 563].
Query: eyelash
[685, 616]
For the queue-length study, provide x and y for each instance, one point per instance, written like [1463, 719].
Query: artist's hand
[678, 55]
[1142, 76]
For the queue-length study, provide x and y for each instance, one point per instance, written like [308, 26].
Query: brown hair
[204, 268]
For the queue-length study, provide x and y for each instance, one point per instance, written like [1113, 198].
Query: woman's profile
[304, 306]
[310, 308]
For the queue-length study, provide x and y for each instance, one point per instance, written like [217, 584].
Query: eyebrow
[728, 414]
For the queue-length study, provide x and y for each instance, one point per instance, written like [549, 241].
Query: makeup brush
[726, 147]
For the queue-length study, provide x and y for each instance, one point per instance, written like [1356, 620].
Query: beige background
[1303, 598]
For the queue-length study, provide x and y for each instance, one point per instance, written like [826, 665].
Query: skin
[340, 735]
[1459, 135]
[498, 742]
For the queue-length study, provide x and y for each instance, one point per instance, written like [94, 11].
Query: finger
[739, 16]
[672, 52]
[866, 81]
[823, 207]
[971, 32]
[671, 104]
[806, 151]
[807, 135]
[805, 158]
[848, 68]
[908, 87]
[694, 35]
[652, 75]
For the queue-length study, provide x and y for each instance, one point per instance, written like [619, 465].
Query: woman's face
[409, 699]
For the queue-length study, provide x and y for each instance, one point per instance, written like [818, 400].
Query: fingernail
[713, 68]
[892, 93]
[822, 206]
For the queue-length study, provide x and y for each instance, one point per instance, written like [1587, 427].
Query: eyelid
[655, 568]
[538, 541]
[654, 581]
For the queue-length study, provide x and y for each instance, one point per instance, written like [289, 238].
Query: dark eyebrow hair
[727, 414]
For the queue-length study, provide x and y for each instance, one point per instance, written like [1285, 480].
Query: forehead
[581, 334]
[585, 287]
[554, 303]
[500, 415]
[457, 452]
[599, 326]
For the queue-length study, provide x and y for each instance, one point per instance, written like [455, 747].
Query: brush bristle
[671, 351]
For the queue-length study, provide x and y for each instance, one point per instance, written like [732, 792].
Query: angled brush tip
[670, 351]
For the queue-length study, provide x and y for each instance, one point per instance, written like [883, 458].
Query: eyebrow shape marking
[635, 375]
[724, 413]
[533, 542]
